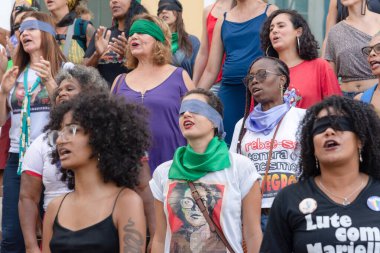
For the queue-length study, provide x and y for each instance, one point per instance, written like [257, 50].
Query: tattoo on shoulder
[133, 239]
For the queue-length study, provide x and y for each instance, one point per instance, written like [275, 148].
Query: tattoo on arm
[133, 240]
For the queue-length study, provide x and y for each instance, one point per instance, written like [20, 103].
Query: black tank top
[101, 237]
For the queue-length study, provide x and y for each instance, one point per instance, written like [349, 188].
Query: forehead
[375, 40]
[263, 64]
[200, 97]
[29, 18]
[281, 18]
[328, 111]
[69, 81]
[67, 118]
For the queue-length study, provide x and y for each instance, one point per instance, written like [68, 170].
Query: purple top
[163, 103]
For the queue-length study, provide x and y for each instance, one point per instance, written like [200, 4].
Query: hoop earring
[363, 7]
[299, 46]
[316, 163]
[360, 155]
[267, 50]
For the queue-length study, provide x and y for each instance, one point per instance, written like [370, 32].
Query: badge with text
[373, 203]
[308, 205]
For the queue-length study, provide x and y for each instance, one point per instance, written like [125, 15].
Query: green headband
[144, 26]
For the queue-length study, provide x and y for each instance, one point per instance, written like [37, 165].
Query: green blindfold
[143, 26]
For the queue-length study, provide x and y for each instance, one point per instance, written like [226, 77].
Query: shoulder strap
[368, 94]
[118, 84]
[225, 15]
[80, 32]
[59, 208]
[117, 197]
[69, 38]
[266, 8]
[270, 155]
[213, 227]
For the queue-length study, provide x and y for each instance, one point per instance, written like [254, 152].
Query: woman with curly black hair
[184, 46]
[336, 203]
[106, 51]
[99, 145]
[286, 35]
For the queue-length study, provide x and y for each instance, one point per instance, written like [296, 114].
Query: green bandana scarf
[25, 118]
[174, 42]
[190, 166]
[147, 27]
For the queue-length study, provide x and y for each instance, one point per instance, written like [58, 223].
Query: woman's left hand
[44, 70]
[119, 44]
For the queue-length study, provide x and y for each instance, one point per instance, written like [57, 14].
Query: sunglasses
[367, 50]
[261, 75]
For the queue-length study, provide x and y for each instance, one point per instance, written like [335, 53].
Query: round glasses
[189, 203]
[261, 75]
[367, 50]
[66, 134]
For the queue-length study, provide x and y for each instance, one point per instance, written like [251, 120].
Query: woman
[372, 52]
[99, 153]
[287, 35]
[236, 35]
[154, 83]
[210, 16]
[227, 184]
[335, 205]
[185, 46]
[107, 47]
[73, 33]
[38, 61]
[343, 52]
[39, 175]
[273, 121]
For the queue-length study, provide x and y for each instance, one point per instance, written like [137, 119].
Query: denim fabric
[264, 221]
[12, 241]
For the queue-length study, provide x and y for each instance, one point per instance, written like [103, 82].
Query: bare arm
[188, 83]
[49, 217]
[159, 237]
[101, 43]
[9, 79]
[145, 193]
[330, 21]
[30, 193]
[215, 59]
[201, 60]
[251, 219]
[130, 222]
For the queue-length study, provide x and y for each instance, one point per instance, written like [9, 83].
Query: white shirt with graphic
[222, 193]
[284, 168]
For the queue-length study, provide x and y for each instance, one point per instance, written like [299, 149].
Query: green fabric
[143, 26]
[25, 118]
[10, 64]
[174, 42]
[190, 166]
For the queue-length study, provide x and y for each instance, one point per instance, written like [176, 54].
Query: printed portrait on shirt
[39, 100]
[190, 230]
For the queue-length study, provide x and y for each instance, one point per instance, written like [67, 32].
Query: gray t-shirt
[344, 44]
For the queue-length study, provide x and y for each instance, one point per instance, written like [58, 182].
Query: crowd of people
[140, 137]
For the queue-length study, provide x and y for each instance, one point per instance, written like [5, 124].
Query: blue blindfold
[37, 25]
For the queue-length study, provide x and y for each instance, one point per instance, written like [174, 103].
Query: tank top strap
[266, 8]
[118, 84]
[117, 197]
[212, 8]
[59, 208]
[224, 15]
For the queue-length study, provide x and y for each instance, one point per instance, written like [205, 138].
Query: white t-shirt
[39, 110]
[284, 169]
[37, 160]
[222, 191]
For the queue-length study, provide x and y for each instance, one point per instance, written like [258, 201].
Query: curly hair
[212, 100]
[117, 132]
[162, 50]
[89, 79]
[281, 68]
[366, 125]
[308, 45]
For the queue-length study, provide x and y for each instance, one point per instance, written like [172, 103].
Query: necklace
[345, 199]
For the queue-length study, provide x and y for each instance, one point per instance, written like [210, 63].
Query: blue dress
[241, 43]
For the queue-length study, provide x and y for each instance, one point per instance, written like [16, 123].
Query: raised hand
[119, 44]
[101, 41]
[43, 70]
[3, 61]
[9, 79]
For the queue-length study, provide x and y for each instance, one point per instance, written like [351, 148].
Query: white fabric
[39, 110]
[228, 187]
[284, 169]
[37, 160]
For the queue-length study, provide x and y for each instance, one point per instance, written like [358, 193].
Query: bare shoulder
[358, 97]
[207, 10]
[128, 198]
[271, 9]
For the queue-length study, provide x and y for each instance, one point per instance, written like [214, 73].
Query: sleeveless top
[163, 103]
[101, 237]
[210, 25]
[373, 5]
[368, 94]
[241, 43]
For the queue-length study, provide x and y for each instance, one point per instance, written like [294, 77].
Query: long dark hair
[134, 9]
[183, 37]
[308, 45]
[283, 69]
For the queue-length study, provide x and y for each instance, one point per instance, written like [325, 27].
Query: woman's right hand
[8, 80]
[101, 41]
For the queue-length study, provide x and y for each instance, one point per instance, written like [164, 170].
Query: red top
[210, 24]
[313, 80]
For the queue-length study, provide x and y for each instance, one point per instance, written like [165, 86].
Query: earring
[266, 51]
[363, 7]
[360, 155]
[316, 163]
[98, 157]
[282, 90]
[299, 46]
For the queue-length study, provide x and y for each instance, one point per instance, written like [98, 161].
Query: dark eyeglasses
[367, 50]
[261, 75]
